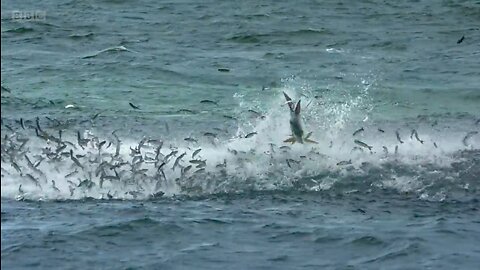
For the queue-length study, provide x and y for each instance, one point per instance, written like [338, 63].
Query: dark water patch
[19, 30]
[291, 235]
[328, 239]
[88, 35]
[130, 228]
[368, 241]
[279, 36]
[214, 221]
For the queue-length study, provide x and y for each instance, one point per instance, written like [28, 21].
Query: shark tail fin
[289, 101]
[297, 108]
[290, 140]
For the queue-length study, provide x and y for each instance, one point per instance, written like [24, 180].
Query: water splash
[43, 166]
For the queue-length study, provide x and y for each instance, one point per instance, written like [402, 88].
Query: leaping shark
[296, 123]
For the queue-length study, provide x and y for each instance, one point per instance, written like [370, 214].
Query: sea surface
[150, 134]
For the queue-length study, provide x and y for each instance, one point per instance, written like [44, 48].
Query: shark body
[296, 123]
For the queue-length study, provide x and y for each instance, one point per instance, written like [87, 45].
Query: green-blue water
[211, 76]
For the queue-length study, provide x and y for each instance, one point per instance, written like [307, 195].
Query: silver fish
[416, 137]
[178, 160]
[362, 144]
[200, 170]
[196, 152]
[398, 136]
[358, 131]
[344, 162]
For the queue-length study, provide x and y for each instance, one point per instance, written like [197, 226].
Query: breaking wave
[430, 162]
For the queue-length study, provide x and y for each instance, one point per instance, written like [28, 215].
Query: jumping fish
[196, 152]
[178, 160]
[344, 162]
[416, 137]
[362, 144]
[358, 131]
[209, 101]
[134, 106]
[385, 150]
[398, 136]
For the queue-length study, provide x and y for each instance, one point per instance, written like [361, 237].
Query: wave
[38, 164]
[19, 30]
[279, 36]
[108, 50]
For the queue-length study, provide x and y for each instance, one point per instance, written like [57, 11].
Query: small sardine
[200, 170]
[196, 152]
[416, 137]
[174, 152]
[385, 150]
[398, 136]
[210, 134]
[251, 134]
[95, 116]
[197, 161]
[189, 139]
[134, 106]
[285, 147]
[186, 169]
[16, 167]
[178, 160]
[185, 110]
[101, 144]
[292, 161]
[362, 144]
[230, 117]
[358, 131]
[255, 112]
[222, 165]
[209, 101]
[35, 180]
[344, 162]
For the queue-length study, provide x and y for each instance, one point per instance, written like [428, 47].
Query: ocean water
[150, 135]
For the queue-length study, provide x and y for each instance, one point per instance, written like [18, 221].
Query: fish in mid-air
[296, 123]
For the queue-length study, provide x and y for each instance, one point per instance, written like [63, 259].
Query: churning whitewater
[42, 160]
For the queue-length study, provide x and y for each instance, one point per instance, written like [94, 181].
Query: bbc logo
[29, 15]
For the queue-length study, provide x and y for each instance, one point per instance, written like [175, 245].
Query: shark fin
[310, 141]
[290, 140]
[289, 101]
[297, 108]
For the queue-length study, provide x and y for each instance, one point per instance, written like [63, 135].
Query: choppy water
[124, 196]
